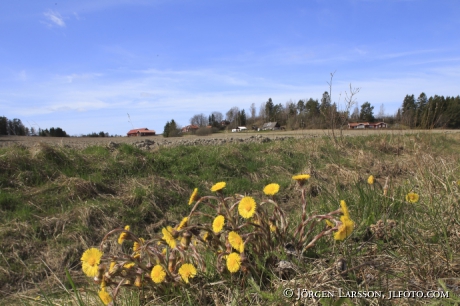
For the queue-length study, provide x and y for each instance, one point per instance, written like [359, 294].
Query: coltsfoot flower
[138, 245]
[194, 197]
[236, 241]
[329, 223]
[370, 180]
[187, 271]
[183, 223]
[105, 296]
[412, 197]
[301, 178]
[344, 207]
[158, 274]
[218, 224]
[233, 262]
[218, 186]
[90, 261]
[271, 189]
[123, 235]
[345, 229]
[168, 237]
[272, 227]
[247, 207]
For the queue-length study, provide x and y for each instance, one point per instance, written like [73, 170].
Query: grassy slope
[56, 202]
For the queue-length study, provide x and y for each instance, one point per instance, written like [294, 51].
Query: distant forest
[16, 127]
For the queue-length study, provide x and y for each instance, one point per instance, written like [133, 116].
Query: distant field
[82, 142]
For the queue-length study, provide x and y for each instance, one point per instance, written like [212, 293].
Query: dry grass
[69, 209]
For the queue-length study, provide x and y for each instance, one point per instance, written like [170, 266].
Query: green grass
[56, 202]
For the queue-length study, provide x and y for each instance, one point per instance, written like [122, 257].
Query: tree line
[17, 128]
[423, 112]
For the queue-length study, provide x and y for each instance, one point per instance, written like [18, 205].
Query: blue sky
[83, 65]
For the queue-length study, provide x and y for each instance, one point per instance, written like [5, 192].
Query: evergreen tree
[312, 108]
[3, 125]
[408, 111]
[367, 112]
[301, 107]
[269, 110]
[241, 118]
[420, 106]
[166, 129]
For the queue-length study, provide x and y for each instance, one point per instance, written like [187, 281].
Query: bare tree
[262, 111]
[341, 117]
[252, 110]
[199, 119]
[355, 114]
[218, 116]
[381, 113]
[232, 116]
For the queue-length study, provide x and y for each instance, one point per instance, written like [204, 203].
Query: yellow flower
[345, 229]
[206, 236]
[412, 197]
[194, 197]
[247, 207]
[301, 178]
[233, 262]
[218, 186]
[218, 224]
[129, 265]
[236, 241]
[168, 237]
[344, 207]
[187, 271]
[123, 235]
[158, 274]
[90, 260]
[271, 189]
[137, 245]
[329, 223]
[112, 265]
[272, 227]
[370, 180]
[105, 296]
[182, 224]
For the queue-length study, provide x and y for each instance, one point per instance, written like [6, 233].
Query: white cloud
[55, 18]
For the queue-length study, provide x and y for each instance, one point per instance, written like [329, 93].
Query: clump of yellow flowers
[237, 229]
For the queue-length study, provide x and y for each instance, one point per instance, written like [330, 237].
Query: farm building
[141, 132]
[190, 128]
[367, 125]
[270, 126]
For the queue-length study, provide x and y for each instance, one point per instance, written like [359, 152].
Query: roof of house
[143, 130]
[269, 125]
[358, 123]
[364, 123]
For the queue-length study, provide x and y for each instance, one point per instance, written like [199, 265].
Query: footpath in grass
[57, 202]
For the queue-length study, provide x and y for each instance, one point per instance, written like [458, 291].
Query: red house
[141, 132]
[367, 125]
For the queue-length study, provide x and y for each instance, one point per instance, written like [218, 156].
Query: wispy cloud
[55, 18]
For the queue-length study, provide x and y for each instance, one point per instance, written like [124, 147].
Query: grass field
[58, 201]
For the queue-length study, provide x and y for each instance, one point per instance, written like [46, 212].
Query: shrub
[203, 131]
